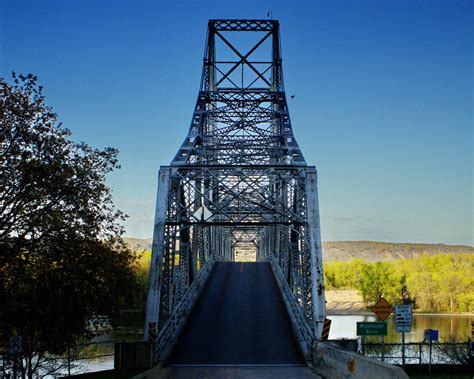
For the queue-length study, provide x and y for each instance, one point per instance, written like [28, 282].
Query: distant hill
[368, 250]
[386, 251]
[138, 243]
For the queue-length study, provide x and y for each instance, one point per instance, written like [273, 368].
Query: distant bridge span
[239, 186]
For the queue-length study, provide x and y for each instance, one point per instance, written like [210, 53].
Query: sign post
[383, 348]
[403, 322]
[382, 310]
[370, 329]
[326, 328]
[403, 350]
[15, 347]
[431, 335]
[152, 337]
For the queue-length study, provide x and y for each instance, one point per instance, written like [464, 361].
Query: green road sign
[371, 328]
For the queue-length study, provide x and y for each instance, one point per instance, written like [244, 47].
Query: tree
[62, 259]
[379, 279]
[330, 276]
[424, 290]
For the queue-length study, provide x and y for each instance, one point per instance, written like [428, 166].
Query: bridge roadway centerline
[239, 319]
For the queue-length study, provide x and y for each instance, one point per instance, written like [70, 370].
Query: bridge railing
[170, 331]
[301, 329]
[419, 352]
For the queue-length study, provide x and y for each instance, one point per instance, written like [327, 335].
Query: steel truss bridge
[239, 183]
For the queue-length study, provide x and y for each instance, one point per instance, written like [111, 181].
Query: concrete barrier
[331, 362]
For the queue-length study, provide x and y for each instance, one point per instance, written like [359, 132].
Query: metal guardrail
[419, 352]
[168, 334]
[302, 330]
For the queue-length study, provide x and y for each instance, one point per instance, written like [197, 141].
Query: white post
[316, 252]
[153, 298]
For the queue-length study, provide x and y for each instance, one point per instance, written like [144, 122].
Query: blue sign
[431, 335]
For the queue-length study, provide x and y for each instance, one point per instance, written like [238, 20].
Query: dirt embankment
[374, 251]
[345, 302]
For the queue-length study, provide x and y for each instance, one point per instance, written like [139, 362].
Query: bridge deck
[239, 319]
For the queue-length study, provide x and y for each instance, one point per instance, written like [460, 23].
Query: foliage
[62, 259]
[436, 283]
[141, 269]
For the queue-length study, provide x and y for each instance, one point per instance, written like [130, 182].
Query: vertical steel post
[316, 253]
[153, 298]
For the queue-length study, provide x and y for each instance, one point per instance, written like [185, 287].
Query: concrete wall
[332, 362]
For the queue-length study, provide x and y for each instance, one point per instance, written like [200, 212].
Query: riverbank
[350, 303]
[365, 312]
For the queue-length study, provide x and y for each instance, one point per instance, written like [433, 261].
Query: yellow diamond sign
[382, 309]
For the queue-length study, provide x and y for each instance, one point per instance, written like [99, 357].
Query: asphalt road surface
[239, 319]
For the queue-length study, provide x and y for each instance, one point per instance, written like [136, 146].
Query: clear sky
[383, 99]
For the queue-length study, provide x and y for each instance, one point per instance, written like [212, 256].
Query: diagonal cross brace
[243, 58]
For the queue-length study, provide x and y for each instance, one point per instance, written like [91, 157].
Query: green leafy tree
[424, 290]
[353, 273]
[330, 277]
[443, 282]
[62, 260]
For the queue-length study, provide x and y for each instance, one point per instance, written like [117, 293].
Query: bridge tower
[239, 181]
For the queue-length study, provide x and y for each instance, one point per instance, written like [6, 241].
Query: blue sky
[383, 99]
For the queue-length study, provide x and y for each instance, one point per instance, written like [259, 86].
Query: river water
[448, 325]
[130, 329]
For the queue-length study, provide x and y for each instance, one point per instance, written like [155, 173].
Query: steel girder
[238, 178]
